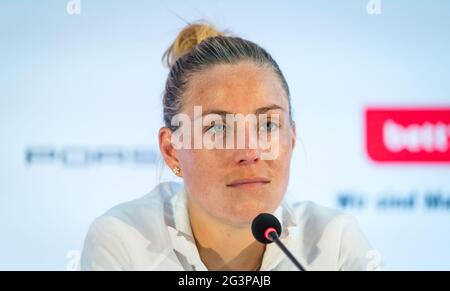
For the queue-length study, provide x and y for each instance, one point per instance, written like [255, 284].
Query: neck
[223, 246]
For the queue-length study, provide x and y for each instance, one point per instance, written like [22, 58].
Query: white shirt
[154, 233]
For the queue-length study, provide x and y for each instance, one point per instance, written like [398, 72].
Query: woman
[204, 223]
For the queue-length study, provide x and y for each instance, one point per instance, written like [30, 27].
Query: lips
[248, 182]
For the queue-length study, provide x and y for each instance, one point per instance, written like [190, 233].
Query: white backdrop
[80, 107]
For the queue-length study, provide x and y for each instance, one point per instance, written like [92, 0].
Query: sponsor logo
[84, 156]
[404, 135]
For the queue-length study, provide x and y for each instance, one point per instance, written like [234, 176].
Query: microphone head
[261, 223]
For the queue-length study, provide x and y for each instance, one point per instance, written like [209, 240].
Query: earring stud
[176, 170]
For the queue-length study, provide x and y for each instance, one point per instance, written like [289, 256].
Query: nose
[249, 152]
[246, 156]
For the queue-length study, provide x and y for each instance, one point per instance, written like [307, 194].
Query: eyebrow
[260, 110]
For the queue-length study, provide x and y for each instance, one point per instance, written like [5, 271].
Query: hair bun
[189, 37]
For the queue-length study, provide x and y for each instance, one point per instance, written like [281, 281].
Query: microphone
[267, 229]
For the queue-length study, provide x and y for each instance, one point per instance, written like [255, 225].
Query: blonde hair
[199, 46]
[189, 37]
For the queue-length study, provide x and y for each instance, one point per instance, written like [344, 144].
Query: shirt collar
[184, 243]
[181, 232]
[289, 237]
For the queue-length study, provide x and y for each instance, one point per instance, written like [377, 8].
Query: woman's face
[234, 185]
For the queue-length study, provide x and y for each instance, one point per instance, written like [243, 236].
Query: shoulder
[319, 223]
[336, 234]
[117, 238]
[142, 212]
[315, 217]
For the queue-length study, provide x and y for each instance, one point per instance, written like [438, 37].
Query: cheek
[201, 170]
[277, 145]
[280, 167]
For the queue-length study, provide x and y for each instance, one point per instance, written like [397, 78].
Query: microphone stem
[276, 239]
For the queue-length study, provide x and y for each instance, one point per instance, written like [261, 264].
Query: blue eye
[269, 126]
[217, 128]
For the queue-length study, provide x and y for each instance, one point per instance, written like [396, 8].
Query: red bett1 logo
[408, 134]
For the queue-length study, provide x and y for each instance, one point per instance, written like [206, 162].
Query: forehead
[239, 87]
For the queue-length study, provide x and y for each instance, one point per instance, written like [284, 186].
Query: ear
[294, 133]
[166, 147]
